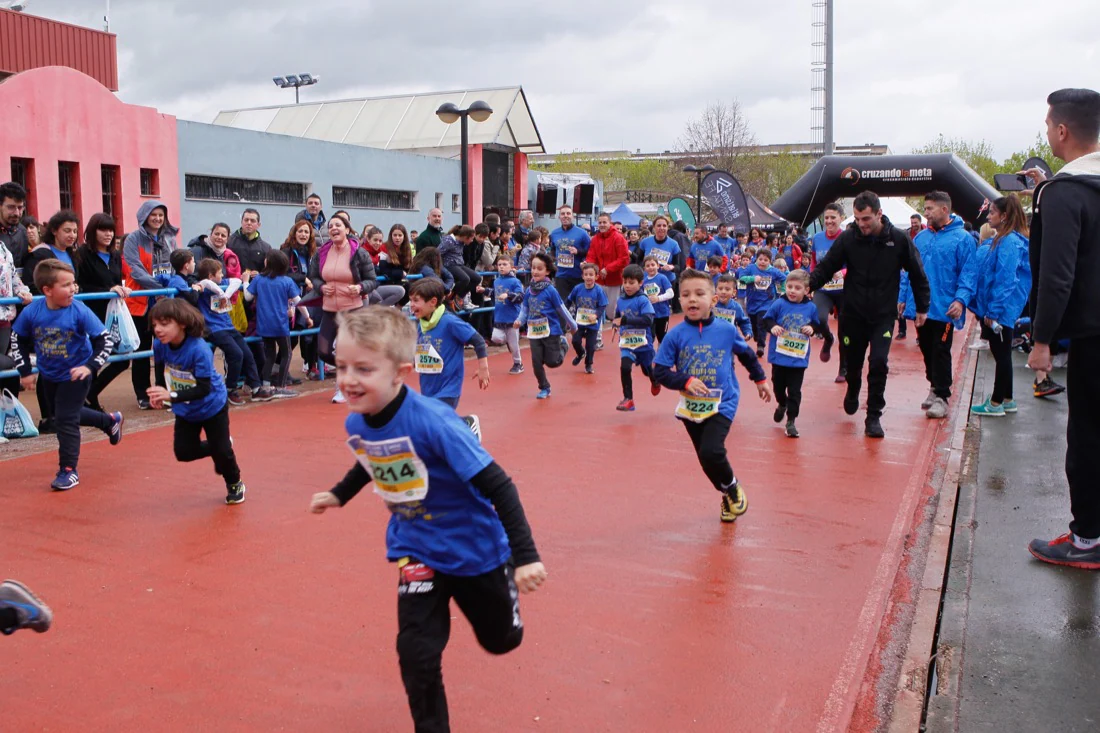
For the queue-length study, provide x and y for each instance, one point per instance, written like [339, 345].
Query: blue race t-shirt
[422, 462]
[707, 354]
[761, 292]
[507, 311]
[542, 301]
[792, 349]
[273, 296]
[655, 286]
[440, 356]
[215, 309]
[700, 253]
[732, 312]
[62, 254]
[822, 243]
[633, 306]
[62, 337]
[667, 252]
[590, 304]
[183, 367]
[569, 263]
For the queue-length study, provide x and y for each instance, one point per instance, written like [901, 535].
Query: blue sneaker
[66, 479]
[987, 409]
[543, 394]
[115, 431]
[30, 611]
[1010, 406]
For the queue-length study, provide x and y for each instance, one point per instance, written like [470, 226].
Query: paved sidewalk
[1019, 646]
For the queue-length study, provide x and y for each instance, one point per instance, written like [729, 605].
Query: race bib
[727, 317]
[837, 283]
[661, 255]
[793, 344]
[742, 287]
[652, 289]
[762, 283]
[565, 260]
[586, 316]
[398, 473]
[632, 338]
[219, 304]
[162, 269]
[179, 380]
[698, 409]
[428, 360]
[538, 328]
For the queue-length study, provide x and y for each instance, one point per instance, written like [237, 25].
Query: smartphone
[1011, 182]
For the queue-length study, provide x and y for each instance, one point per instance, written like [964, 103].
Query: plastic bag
[121, 326]
[238, 316]
[17, 422]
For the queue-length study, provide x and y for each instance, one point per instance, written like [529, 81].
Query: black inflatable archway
[843, 176]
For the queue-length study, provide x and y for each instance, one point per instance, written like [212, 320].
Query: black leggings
[788, 387]
[326, 339]
[189, 445]
[1000, 348]
[660, 328]
[70, 415]
[626, 366]
[584, 343]
[709, 439]
[546, 353]
[273, 344]
[465, 280]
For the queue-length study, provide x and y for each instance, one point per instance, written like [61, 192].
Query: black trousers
[934, 339]
[644, 360]
[709, 439]
[276, 353]
[546, 353]
[189, 445]
[860, 335]
[465, 280]
[787, 382]
[238, 358]
[584, 342]
[139, 374]
[70, 415]
[759, 333]
[1000, 348]
[827, 301]
[660, 328]
[490, 602]
[326, 337]
[1083, 436]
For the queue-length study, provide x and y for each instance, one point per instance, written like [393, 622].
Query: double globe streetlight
[449, 113]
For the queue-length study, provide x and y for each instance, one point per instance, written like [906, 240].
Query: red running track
[174, 612]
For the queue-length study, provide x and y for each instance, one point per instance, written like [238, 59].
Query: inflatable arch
[843, 176]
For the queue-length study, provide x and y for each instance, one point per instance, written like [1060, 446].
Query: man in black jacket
[875, 252]
[247, 243]
[1065, 303]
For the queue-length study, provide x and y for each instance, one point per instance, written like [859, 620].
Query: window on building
[439, 201]
[109, 178]
[373, 198]
[68, 184]
[150, 182]
[21, 170]
[213, 188]
[455, 207]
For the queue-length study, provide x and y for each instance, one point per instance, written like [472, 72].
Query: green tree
[976, 154]
[1039, 149]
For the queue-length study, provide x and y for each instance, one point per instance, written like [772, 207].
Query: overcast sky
[621, 74]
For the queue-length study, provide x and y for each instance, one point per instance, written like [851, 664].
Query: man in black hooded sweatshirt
[1065, 303]
[875, 252]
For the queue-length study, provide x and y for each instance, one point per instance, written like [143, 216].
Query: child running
[761, 279]
[214, 304]
[196, 391]
[457, 528]
[72, 345]
[742, 287]
[634, 316]
[440, 359]
[658, 289]
[697, 360]
[728, 309]
[541, 307]
[275, 295]
[590, 302]
[507, 298]
[791, 321]
[715, 265]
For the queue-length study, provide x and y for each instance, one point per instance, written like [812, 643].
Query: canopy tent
[760, 216]
[894, 208]
[626, 216]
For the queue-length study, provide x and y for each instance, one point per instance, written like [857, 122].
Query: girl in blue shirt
[275, 295]
[540, 312]
[663, 247]
[196, 391]
[658, 289]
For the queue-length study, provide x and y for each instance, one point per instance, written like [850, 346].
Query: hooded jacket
[997, 279]
[874, 265]
[1065, 253]
[944, 253]
[609, 252]
[144, 256]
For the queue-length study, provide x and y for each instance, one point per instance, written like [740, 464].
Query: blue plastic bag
[17, 421]
[120, 324]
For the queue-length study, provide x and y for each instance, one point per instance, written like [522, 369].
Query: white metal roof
[398, 123]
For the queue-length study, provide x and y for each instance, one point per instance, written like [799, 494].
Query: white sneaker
[979, 345]
[338, 398]
[467, 303]
[937, 410]
[928, 400]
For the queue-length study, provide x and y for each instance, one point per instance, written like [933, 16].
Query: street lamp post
[699, 173]
[449, 113]
[290, 80]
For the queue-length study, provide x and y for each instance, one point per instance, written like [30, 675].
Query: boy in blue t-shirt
[183, 279]
[715, 265]
[761, 280]
[697, 360]
[791, 320]
[196, 391]
[72, 345]
[457, 528]
[634, 317]
[440, 348]
[702, 249]
[728, 309]
[743, 261]
[507, 297]
[658, 289]
[215, 304]
[589, 302]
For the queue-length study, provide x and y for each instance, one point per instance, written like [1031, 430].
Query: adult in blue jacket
[944, 247]
[995, 285]
[569, 246]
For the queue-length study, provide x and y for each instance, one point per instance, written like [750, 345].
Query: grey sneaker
[928, 400]
[30, 611]
[938, 409]
[281, 393]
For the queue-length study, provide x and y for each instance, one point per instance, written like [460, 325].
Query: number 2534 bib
[398, 473]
